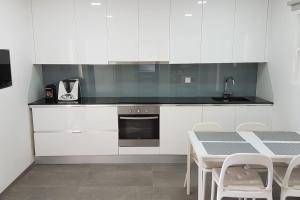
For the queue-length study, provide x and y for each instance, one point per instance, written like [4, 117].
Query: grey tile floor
[103, 182]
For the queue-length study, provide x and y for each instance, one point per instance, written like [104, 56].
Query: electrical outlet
[187, 80]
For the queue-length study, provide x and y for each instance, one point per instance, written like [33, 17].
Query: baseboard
[110, 159]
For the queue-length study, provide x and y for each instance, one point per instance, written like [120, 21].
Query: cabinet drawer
[57, 118]
[76, 144]
[101, 118]
[62, 119]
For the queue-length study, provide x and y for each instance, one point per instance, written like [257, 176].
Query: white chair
[235, 181]
[199, 127]
[288, 178]
[252, 126]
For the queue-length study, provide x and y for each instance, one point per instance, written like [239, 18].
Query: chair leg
[282, 196]
[185, 180]
[204, 183]
[213, 187]
[188, 171]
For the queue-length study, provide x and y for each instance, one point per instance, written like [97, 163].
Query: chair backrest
[293, 164]
[247, 159]
[207, 126]
[252, 126]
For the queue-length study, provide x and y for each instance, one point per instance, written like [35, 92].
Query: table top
[218, 136]
[278, 145]
[279, 136]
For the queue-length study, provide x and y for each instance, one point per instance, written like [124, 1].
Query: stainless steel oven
[138, 126]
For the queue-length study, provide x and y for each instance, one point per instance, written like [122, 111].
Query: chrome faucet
[228, 91]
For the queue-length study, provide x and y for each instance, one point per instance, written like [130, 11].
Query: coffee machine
[69, 90]
[50, 91]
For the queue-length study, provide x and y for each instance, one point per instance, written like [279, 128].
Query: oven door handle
[138, 118]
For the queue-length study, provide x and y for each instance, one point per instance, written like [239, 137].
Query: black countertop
[148, 100]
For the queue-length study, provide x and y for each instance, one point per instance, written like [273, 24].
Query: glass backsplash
[160, 80]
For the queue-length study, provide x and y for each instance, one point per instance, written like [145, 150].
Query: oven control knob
[146, 111]
[130, 111]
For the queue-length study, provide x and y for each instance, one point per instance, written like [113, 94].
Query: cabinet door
[224, 115]
[175, 122]
[217, 31]
[91, 34]
[154, 20]
[250, 31]
[76, 144]
[185, 31]
[54, 28]
[261, 114]
[123, 30]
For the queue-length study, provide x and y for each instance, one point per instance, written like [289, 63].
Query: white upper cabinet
[217, 31]
[178, 31]
[250, 31]
[123, 30]
[91, 34]
[154, 30]
[54, 28]
[185, 31]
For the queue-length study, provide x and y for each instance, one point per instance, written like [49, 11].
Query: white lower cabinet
[254, 113]
[93, 130]
[70, 131]
[76, 144]
[224, 115]
[175, 122]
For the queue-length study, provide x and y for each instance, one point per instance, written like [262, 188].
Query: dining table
[214, 147]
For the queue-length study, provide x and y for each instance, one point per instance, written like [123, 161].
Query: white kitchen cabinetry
[217, 31]
[250, 31]
[123, 30]
[224, 115]
[62, 131]
[175, 122]
[255, 113]
[185, 31]
[101, 118]
[76, 144]
[91, 31]
[154, 30]
[58, 119]
[54, 29]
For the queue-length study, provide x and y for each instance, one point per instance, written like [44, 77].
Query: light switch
[187, 80]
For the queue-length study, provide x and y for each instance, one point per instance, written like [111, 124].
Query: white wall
[15, 124]
[279, 70]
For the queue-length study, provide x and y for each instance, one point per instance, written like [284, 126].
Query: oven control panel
[138, 110]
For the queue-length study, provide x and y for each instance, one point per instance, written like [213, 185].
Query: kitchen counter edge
[254, 101]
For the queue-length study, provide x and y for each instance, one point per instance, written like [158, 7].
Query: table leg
[200, 182]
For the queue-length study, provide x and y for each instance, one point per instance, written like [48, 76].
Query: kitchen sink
[230, 99]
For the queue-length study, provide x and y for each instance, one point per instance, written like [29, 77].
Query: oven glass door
[138, 128]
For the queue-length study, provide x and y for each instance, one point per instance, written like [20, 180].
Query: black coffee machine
[50, 92]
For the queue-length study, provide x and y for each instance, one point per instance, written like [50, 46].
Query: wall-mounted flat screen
[5, 70]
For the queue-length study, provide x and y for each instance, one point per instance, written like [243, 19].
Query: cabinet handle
[139, 118]
[76, 131]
